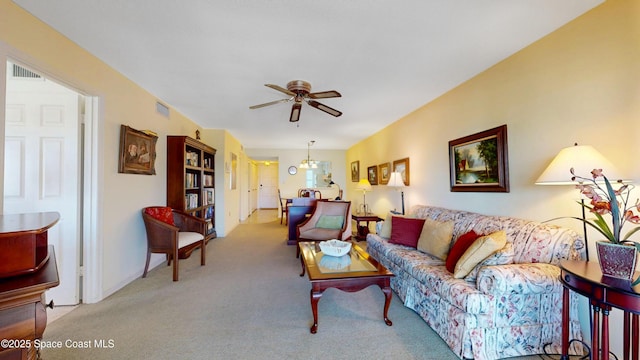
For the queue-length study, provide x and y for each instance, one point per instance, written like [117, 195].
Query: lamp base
[364, 209]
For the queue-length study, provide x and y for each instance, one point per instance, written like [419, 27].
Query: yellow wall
[579, 84]
[121, 236]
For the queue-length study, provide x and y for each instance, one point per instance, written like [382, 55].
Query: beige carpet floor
[248, 302]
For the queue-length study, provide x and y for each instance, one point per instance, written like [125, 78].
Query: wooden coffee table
[351, 273]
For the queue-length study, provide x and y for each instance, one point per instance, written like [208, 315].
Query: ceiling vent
[20, 72]
[162, 109]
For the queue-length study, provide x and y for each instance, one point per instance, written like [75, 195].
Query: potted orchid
[616, 254]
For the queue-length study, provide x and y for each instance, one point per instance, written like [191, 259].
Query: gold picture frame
[355, 171]
[137, 151]
[402, 166]
[385, 173]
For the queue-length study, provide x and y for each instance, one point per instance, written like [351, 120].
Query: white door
[42, 166]
[268, 182]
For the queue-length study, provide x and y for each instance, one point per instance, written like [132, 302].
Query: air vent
[162, 109]
[20, 72]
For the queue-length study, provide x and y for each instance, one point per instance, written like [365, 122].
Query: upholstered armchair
[174, 234]
[329, 220]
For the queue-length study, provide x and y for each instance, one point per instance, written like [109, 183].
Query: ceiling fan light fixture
[300, 91]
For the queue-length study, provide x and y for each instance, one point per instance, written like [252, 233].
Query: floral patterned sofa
[498, 311]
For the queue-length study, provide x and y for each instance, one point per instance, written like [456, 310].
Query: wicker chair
[174, 234]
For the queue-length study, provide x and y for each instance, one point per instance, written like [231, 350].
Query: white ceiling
[210, 59]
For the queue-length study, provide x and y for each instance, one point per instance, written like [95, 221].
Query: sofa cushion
[330, 222]
[459, 247]
[435, 238]
[405, 231]
[478, 251]
[503, 256]
[162, 213]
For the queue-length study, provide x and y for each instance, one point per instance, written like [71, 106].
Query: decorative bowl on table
[335, 262]
[335, 247]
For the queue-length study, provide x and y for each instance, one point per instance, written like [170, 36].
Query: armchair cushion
[187, 238]
[162, 213]
[334, 222]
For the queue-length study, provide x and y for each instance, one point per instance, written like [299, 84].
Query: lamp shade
[363, 185]
[583, 159]
[395, 180]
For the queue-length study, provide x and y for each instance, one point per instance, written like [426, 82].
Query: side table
[585, 278]
[363, 230]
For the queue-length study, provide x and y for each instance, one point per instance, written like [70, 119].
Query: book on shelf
[192, 158]
[208, 213]
[207, 180]
[208, 196]
[191, 201]
[191, 180]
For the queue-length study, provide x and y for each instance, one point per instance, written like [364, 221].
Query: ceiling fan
[300, 91]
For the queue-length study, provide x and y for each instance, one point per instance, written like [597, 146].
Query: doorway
[43, 170]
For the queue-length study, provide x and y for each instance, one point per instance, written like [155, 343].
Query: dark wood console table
[585, 278]
[363, 230]
[23, 315]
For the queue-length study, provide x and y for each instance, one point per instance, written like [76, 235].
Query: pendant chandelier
[308, 163]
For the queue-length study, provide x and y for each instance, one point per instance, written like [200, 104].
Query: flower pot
[616, 260]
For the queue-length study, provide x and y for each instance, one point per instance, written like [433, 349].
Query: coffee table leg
[302, 264]
[387, 301]
[315, 297]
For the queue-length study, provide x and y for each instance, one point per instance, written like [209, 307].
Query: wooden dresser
[23, 315]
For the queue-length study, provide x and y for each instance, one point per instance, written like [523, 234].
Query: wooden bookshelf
[191, 179]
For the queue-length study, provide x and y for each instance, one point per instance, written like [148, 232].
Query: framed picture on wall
[479, 162]
[355, 171]
[402, 166]
[372, 175]
[384, 172]
[137, 152]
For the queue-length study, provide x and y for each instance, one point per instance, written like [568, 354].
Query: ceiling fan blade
[295, 112]
[270, 103]
[324, 94]
[325, 108]
[281, 89]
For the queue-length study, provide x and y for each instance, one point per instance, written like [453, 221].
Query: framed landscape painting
[479, 162]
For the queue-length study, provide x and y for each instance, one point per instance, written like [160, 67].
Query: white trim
[93, 181]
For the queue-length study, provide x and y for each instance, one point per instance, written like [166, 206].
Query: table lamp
[364, 186]
[395, 181]
[583, 159]
[339, 197]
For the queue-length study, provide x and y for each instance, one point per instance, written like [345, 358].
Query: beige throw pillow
[478, 251]
[435, 238]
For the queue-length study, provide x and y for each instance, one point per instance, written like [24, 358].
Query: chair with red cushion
[174, 234]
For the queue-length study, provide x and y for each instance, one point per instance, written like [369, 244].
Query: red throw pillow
[405, 231]
[162, 213]
[459, 247]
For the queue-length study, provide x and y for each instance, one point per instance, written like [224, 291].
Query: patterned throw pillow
[162, 213]
[405, 231]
